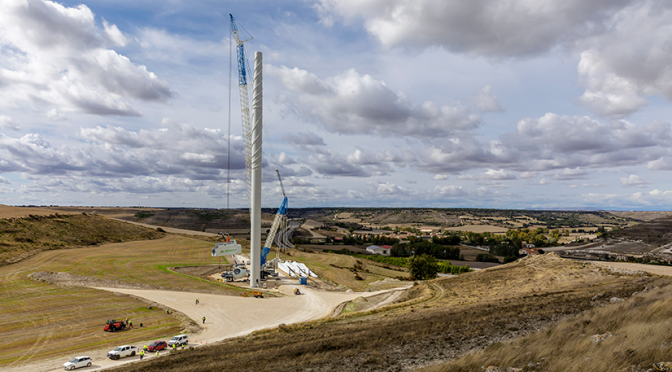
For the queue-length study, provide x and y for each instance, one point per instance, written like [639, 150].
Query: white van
[178, 340]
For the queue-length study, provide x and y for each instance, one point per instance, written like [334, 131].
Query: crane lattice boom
[244, 106]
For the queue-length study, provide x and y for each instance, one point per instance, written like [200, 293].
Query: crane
[244, 104]
[247, 140]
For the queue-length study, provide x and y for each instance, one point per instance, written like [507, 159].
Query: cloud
[351, 103]
[119, 153]
[113, 34]
[528, 174]
[543, 181]
[8, 123]
[480, 27]
[285, 159]
[486, 102]
[663, 163]
[55, 56]
[570, 174]
[297, 182]
[440, 177]
[3, 180]
[634, 180]
[501, 174]
[621, 67]
[309, 138]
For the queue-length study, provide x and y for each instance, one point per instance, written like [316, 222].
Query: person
[130, 324]
[157, 352]
[197, 301]
[174, 347]
[145, 349]
[126, 321]
[167, 311]
[203, 320]
[142, 354]
[182, 346]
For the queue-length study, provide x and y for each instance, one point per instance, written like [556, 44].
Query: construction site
[92, 288]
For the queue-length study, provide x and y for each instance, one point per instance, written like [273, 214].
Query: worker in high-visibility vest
[145, 349]
[142, 354]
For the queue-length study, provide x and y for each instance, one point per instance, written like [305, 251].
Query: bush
[486, 257]
[423, 267]
[446, 268]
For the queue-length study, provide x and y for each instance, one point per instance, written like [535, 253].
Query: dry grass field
[40, 320]
[7, 211]
[442, 319]
[23, 237]
[637, 330]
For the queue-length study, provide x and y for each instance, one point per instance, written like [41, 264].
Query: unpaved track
[226, 317]
[169, 229]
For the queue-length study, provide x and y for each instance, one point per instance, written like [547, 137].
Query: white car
[77, 362]
[178, 340]
[122, 351]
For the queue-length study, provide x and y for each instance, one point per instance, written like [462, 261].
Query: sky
[518, 104]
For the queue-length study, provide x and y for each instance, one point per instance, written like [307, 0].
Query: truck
[122, 351]
[113, 325]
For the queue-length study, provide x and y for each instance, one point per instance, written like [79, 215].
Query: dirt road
[226, 317]
[170, 229]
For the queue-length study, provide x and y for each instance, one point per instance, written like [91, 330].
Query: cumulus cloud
[570, 174]
[486, 102]
[119, 153]
[631, 61]
[501, 174]
[297, 182]
[634, 180]
[53, 55]
[8, 123]
[3, 180]
[479, 27]
[351, 103]
[440, 177]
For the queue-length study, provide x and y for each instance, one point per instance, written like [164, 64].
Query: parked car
[122, 351]
[77, 362]
[157, 345]
[179, 340]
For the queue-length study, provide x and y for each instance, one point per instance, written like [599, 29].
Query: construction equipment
[228, 247]
[255, 294]
[296, 291]
[237, 272]
[114, 325]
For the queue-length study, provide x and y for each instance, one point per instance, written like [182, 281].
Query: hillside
[23, 237]
[440, 320]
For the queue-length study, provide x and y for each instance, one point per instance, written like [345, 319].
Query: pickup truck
[122, 351]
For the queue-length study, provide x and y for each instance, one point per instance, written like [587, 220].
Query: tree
[423, 267]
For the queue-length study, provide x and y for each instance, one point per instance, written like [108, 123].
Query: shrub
[423, 267]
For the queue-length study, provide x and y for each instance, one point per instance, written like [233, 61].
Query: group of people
[145, 350]
[129, 323]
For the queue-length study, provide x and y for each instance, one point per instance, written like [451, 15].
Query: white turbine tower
[255, 207]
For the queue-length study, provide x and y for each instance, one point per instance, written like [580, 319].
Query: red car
[157, 345]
